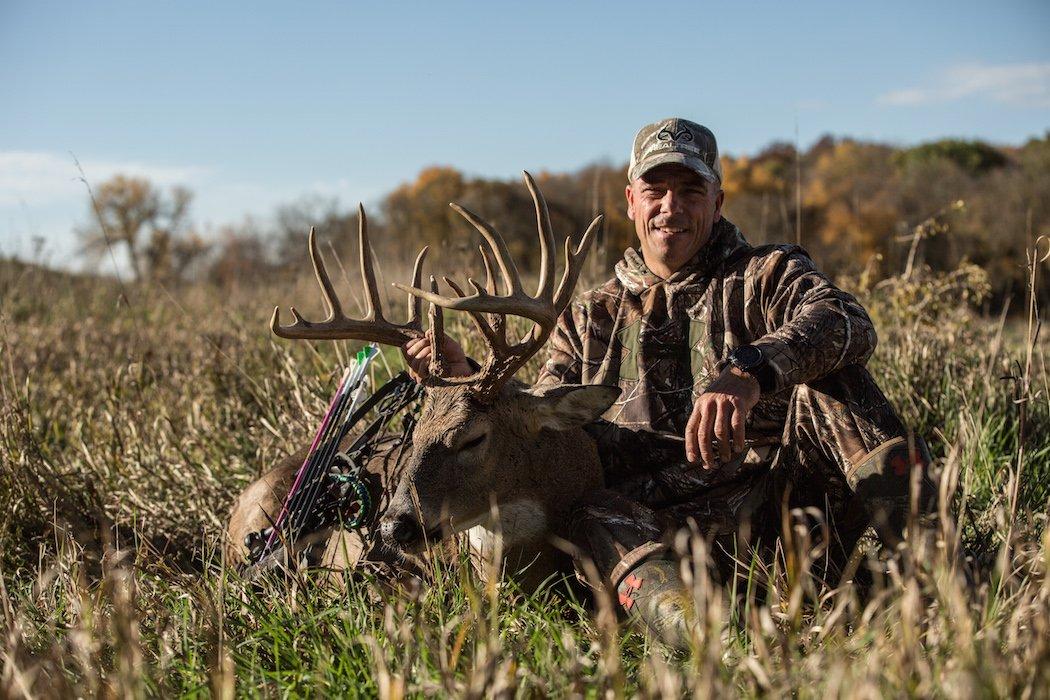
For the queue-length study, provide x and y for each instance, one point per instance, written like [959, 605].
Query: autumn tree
[150, 226]
[851, 196]
[240, 255]
[974, 157]
[860, 203]
[418, 213]
[759, 192]
[291, 229]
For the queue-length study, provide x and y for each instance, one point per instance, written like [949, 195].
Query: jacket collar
[726, 239]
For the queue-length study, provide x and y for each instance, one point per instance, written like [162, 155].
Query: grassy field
[129, 419]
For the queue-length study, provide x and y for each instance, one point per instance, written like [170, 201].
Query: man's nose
[671, 203]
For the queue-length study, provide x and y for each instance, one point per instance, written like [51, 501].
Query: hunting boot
[619, 540]
[884, 495]
[883, 487]
[654, 598]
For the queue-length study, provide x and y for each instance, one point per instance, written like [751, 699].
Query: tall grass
[128, 425]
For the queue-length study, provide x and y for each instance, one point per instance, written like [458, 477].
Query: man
[750, 357]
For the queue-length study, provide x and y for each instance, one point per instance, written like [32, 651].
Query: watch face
[747, 357]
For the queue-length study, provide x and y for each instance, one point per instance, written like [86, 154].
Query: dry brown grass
[127, 427]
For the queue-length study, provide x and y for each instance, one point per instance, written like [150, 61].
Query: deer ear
[565, 406]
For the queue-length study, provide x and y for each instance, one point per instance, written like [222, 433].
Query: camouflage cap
[675, 141]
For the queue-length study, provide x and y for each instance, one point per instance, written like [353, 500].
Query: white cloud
[1024, 84]
[42, 197]
[35, 178]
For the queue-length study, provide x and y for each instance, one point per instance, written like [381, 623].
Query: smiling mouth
[668, 231]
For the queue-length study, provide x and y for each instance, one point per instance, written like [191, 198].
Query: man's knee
[846, 433]
[841, 415]
[613, 533]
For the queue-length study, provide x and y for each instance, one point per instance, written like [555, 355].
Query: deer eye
[473, 442]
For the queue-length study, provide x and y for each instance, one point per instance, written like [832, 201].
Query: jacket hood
[725, 240]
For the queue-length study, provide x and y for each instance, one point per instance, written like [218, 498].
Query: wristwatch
[749, 359]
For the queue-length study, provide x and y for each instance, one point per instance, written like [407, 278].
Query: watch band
[751, 360]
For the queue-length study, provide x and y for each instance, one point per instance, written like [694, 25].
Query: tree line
[855, 205]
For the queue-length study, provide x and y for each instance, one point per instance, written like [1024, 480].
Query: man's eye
[471, 444]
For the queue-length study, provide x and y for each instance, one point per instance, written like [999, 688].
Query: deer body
[510, 492]
[491, 457]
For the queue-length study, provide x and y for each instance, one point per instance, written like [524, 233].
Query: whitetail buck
[481, 441]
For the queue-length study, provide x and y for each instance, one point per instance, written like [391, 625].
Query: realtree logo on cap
[682, 134]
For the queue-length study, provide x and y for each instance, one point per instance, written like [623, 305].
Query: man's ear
[629, 194]
[565, 406]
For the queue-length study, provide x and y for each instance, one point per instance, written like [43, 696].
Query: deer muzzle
[401, 531]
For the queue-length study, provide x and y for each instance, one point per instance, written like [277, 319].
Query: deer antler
[373, 327]
[505, 358]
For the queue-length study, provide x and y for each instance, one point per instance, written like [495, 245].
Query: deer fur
[511, 492]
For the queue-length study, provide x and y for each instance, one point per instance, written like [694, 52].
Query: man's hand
[417, 357]
[720, 413]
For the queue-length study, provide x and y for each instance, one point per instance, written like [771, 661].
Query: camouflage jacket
[663, 341]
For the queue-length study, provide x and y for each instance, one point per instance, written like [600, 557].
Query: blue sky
[256, 104]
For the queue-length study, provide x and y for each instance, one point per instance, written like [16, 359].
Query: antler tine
[334, 309]
[490, 279]
[506, 264]
[437, 335]
[375, 308]
[485, 299]
[499, 324]
[574, 264]
[545, 289]
[415, 304]
[488, 330]
[519, 305]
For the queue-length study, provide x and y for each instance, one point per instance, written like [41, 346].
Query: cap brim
[693, 163]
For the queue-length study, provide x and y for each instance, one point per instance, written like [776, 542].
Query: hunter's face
[673, 209]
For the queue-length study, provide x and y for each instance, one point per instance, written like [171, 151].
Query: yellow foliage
[437, 178]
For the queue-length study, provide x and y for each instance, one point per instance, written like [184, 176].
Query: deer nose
[401, 530]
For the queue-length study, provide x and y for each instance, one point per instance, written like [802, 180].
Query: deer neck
[556, 470]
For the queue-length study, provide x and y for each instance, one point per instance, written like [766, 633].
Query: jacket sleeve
[814, 328]
[565, 359]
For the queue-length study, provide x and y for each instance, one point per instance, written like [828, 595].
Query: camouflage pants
[843, 451]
